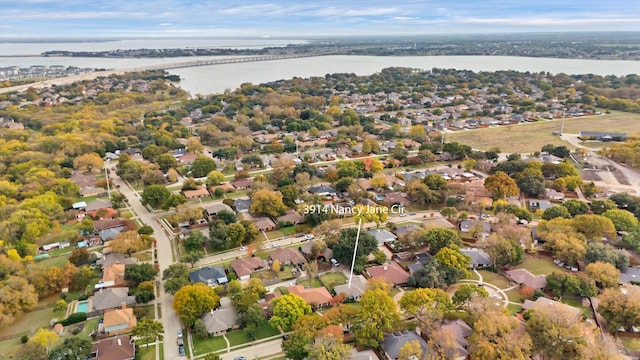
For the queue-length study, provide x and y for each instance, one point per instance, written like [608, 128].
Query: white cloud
[334, 11]
[404, 18]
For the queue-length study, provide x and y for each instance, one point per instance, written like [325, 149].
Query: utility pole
[106, 175]
[562, 126]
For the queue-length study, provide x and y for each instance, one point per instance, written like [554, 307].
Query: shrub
[24, 339]
[60, 305]
[83, 297]
[74, 318]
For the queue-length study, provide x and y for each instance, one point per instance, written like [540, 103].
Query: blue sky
[164, 18]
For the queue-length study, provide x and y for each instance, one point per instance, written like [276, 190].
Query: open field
[539, 265]
[530, 137]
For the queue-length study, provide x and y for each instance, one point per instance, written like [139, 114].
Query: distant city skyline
[282, 18]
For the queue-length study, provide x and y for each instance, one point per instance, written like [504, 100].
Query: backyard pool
[82, 306]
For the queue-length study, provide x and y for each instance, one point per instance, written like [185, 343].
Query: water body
[217, 78]
[35, 48]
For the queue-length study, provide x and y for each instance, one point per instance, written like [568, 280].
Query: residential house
[552, 194]
[392, 343]
[540, 205]
[89, 191]
[306, 249]
[244, 267]
[323, 190]
[479, 258]
[477, 194]
[209, 275]
[545, 304]
[187, 159]
[421, 259]
[523, 277]
[405, 229]
[395, 198]
[393, 273]
[111, 298]
[363, 355]
[222, 319]
[287, 256]
[97, 204]
[316, 297]
[291, 217]
[213, 209]
[243, 183]
[481, 228]
[114, 348]
[382, 236]
[227, 187]
[242, 205]
[358, 287]
[112, 276]
[461, 331]
[198, 193]
[602, 136]
[118, 321]
[114, 258]
[264, 224]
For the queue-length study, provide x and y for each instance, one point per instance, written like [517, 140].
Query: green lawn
[237, 337]
[514, 295]
[330, 280]
[89, 326]
[286, 273]
[149, 353]
[514, 309]
[265, 330]
[630, 343]
[315, 283]
[207, 345]
[144, 311]
[494, 279]
[539, 265]
[58, 261]
[31, 321]
[471, 275]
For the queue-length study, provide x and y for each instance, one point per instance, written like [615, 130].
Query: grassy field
[31, 321]
[207, 345]
[149, 353]
[630, 343]
[494, 279]
[539, 265]
[331, 280]
[527, 138]
[514, 309]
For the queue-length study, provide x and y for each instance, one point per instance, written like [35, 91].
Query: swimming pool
[82, 306]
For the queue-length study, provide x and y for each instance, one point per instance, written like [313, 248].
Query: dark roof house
[210, 275]
[392, 343]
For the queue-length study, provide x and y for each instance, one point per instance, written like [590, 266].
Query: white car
[266, 246]
[308, 237]
[243, 248]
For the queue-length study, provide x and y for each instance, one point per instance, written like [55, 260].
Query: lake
[218, 78]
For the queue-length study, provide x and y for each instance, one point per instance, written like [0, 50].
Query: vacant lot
[530, 137]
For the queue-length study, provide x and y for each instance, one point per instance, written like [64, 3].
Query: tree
[562, 283]
[287, 309]
[267, 202]
[73, 348]
[16, 297]
[191, 301]
[604, 274]
[449, 212]
[576, 207]
[143, 297]
[427, 276]
[148, 329]
[498, 336]
[82, 278]
[173, 201]
[597, 251]
[503, 251]
[622, 219]
[570, 249]
[140, 272]
[620, 308]
[465, 291]
[79, 256]
[192, 257]
[155, 195]
[440, 238]
[309, 325]
[227, 216]
[531, 185]
[599, 206]
[594, 226]
[195, 241]
[469, 164]
[443, 344]
[452, 257]
[88, 162]
[296, 347]
[410, 350]
[343, 248]
[370, 145]
[556, 333]
[378, 314]
[42, 340]
[329, 348]
[194, 145]
[501, 185]
[215, 177]
[435, 182]
[202, 166]
[556, 211]
[166, 162]
[128, 242]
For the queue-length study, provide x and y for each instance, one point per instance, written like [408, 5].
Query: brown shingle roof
[286, 255]
[315, 296]
[524, 277]
[246, 266]
[392, 273]
[116, 348]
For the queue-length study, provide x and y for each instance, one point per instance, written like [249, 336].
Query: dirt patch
[590, 175]
[608, 178]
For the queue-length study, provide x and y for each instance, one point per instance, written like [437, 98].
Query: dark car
[181, 350]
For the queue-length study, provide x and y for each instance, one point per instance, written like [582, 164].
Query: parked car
[239, 358]
[243, 248]
[308, 237]
[179, 334]
[299, 234]
[335, 262]
[181, 350]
